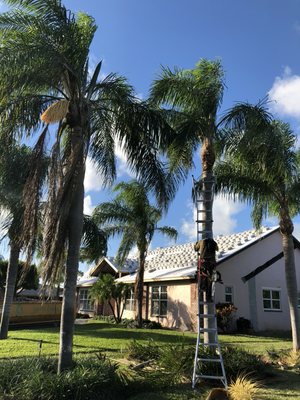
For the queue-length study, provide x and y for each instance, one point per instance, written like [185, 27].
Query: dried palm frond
[243, 388]
[56, 112]
[62, 186]
[31, 197]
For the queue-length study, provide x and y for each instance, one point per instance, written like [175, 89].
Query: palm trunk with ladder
[208, 349]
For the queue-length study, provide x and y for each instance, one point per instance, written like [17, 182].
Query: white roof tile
[180, 261]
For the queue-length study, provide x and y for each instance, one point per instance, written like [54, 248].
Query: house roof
[179, 262]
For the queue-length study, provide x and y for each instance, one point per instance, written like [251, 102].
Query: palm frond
[93, 242]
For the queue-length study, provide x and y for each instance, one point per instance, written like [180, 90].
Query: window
[298, 299]
[229, 294]
[85, 303]
[130, 302]
[159, 301]
[271, 299]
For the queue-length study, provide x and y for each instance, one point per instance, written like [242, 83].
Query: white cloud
[92, 179]
[123, 168]
[87, 205]
[225, 223]
[285, 94]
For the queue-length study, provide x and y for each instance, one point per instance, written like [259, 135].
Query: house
[252, 267]
[107, 265]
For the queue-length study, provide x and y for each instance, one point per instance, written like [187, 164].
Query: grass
[97, 336]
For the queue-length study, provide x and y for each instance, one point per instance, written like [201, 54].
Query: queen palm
[45, 70]
[192, 99]
[132, 215]
[265, 171]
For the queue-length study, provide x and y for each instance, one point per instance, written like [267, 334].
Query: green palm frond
[168, 231]
[127, 243]
[240, 184]
[200, 89]
[93, 242]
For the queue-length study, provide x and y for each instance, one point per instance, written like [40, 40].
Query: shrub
[143, 352]
[225, 312]
[237, 361]
[91, 378]
[243, 325]
[148, 324]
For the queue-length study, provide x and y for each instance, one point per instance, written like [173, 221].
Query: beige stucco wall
[180, 313]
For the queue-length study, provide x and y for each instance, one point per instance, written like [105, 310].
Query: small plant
[142, 352]
[292, 359]
[243, 388]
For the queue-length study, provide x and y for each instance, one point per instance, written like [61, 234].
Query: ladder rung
[210, 377]
[205, 302]
[207, 315]
[208, 329]
[210, 344]
[210, 359]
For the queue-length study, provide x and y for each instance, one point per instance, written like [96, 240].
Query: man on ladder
[207, 276]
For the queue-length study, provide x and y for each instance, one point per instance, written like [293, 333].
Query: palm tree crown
[266, 173]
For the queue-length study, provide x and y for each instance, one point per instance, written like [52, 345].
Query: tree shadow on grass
[115, 332]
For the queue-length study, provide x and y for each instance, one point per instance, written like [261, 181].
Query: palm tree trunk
[11, 279]
[208, 179]
[287, 228]
[74, 238]
[139, 289]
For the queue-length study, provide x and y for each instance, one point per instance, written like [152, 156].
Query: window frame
[130, 302]
[162, 300]
[229, 294]
[85, 302]
[271, 299]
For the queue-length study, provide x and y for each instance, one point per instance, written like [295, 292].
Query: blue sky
[258, 43]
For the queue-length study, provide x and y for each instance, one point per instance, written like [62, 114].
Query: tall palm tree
[132, 215]
[192, 99]
[14, 161]
[44, 73]
[265, 171]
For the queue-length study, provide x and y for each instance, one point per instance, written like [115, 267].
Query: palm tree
[44, 73]
[132, 215]
[14, 161]
[115, 293]
[265, 171]
[192, 99]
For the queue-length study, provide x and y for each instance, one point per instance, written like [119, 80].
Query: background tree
[29, 281]
[44, 64]
[14, 171]
[132, 215]
[116, 294]
[264, 169]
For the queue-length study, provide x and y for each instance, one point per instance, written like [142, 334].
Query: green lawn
[99, 336]
[96, 336]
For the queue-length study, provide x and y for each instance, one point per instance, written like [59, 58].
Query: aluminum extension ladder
[207, 322]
